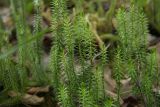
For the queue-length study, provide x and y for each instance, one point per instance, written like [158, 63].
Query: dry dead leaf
[126, 89]
[47, 16]
[113, 95]
[36, 90]
[110, 83]
[32, 99]
[27, 98]
[5, 13]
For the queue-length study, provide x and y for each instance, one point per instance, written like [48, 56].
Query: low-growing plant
[74, 42]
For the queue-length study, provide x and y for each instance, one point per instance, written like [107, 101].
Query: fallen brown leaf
[27, 99]
[36, 90]
[32, 99]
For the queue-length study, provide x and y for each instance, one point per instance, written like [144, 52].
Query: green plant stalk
[133, 32]
[64, 98]
[37, 29]
[18, 15]
[58, 13]
[36, 56]
[70, 70]
[86, 100]
[118, 73]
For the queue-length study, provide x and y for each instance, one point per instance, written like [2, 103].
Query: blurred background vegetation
[100, 15]
[101, 12]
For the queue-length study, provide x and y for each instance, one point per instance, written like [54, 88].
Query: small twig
[101, 52]
[93, 28]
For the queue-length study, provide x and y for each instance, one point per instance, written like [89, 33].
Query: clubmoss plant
[133, 32]
[85, 97]
[64, 98]
[70, 35]
[36, 47]
[118, 71]
[18, 14]
[74, 45]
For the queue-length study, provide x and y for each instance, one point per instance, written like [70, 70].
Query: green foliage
[141, 3]
[84, 38]
[64, 98]
[70, 35]
[118, 71]
[14, 72]
[58, 9]
[73, 42]
[18, 14]
[85, 98]
[98, 88]
[36, 47]
[153, 12]
[132, 29]
[131, 26]
[9, 75]
[109, 103]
